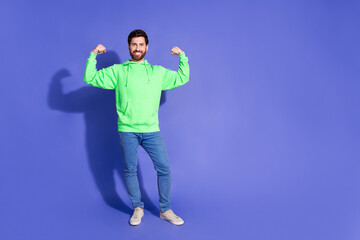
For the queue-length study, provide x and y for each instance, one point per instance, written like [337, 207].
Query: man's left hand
[176, 51]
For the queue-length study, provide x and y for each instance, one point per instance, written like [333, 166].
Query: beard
[137, 57]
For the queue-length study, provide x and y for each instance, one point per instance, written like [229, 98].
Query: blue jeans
[154, 145]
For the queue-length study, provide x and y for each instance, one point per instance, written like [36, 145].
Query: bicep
[168, 79]
[107, 77]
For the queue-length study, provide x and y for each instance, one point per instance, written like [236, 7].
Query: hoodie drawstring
[147, 73]
[127, 75]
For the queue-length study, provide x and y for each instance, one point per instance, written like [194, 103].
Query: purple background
[263, 141]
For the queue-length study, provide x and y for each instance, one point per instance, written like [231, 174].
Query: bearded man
[138, 86]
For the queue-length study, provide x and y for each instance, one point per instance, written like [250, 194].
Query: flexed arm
[172, 79]
[104, 78]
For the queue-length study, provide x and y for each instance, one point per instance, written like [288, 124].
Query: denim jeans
[154, 145]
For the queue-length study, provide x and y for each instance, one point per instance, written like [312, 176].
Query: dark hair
[138, 33]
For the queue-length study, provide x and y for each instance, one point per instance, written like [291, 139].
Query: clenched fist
[99, 49]
[176, 51]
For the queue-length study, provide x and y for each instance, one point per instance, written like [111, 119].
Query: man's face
[137, 49]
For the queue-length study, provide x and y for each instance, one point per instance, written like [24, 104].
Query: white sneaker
[170, 216]
[136, 217]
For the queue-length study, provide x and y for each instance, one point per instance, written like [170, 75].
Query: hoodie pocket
[141, 112]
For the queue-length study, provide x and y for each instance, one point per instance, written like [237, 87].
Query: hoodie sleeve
[172, 79]
[104, 78]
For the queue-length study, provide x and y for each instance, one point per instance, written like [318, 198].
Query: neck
[133, 60]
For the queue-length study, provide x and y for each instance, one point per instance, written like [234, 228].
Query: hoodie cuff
[92, 54]
[182, 55]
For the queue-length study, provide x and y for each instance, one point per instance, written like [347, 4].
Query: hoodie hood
[133, 62]
[128, 63]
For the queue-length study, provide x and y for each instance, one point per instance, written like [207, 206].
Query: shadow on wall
[102, 143]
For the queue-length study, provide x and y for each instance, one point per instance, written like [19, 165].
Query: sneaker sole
[177, 224]
[134, 224]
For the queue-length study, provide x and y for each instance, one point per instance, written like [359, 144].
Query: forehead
[138, 40]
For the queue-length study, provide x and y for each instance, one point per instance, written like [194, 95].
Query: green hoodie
[138, 87]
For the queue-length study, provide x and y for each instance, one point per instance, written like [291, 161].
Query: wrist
[93, 54]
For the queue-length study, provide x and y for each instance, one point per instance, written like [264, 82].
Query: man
[138, 87]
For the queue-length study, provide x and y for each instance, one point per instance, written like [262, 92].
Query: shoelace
[170, 214]
[137, 213]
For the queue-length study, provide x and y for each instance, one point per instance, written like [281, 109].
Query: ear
[147, 47]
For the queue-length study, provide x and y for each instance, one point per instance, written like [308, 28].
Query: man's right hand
[99, 49]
